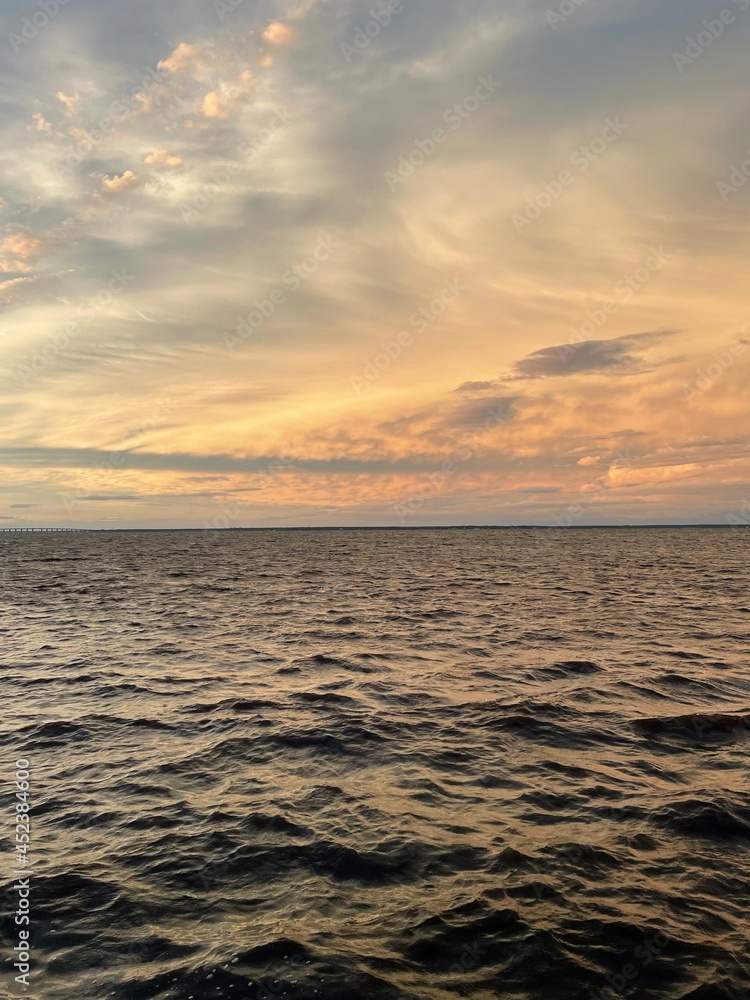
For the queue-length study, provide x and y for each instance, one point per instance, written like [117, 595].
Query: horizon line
[65, 530]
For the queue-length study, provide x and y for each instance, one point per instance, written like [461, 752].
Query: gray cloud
[619, 356]
[90, 458]
[488, 411]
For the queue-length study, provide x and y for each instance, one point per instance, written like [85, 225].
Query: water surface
[383, 764]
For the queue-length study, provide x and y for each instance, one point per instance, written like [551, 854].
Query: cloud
[21, 243]
[40, 123]
[120, 185]
[69, 101]
[616, 356]
[161, 159]
[278, 34]
[17, 249]
[619, 356]
[303, 8]
[486, 412]
[105, 498]
[184, 59]
[215, 106]
[470, 387]
[90, 458]
[589, 460]
[10, 287]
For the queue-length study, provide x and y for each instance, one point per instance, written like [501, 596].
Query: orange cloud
[215, 106]
[69, 101]
[247, 80]
[185, 59]
[16, 249]
[40, 123]
[278, 34]
[120, 185]
[160, 159]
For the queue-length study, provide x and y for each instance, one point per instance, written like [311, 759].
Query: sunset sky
[285, 264]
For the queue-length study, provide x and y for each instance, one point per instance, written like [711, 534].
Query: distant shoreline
[426, 527]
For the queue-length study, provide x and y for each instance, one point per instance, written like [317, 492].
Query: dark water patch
[313, 741]
[511, 860]
[274, 953]
[390, 863]
[717, 818]
[570, 668]
[696, 727]
[591, 859]
[98, 728]
[275, 824]
[238, 706]
[439, 942]
[325, 698]
[722, 990]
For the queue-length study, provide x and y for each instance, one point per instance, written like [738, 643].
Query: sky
[326, 262]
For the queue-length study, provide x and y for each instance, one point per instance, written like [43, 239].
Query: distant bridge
[40, 530]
